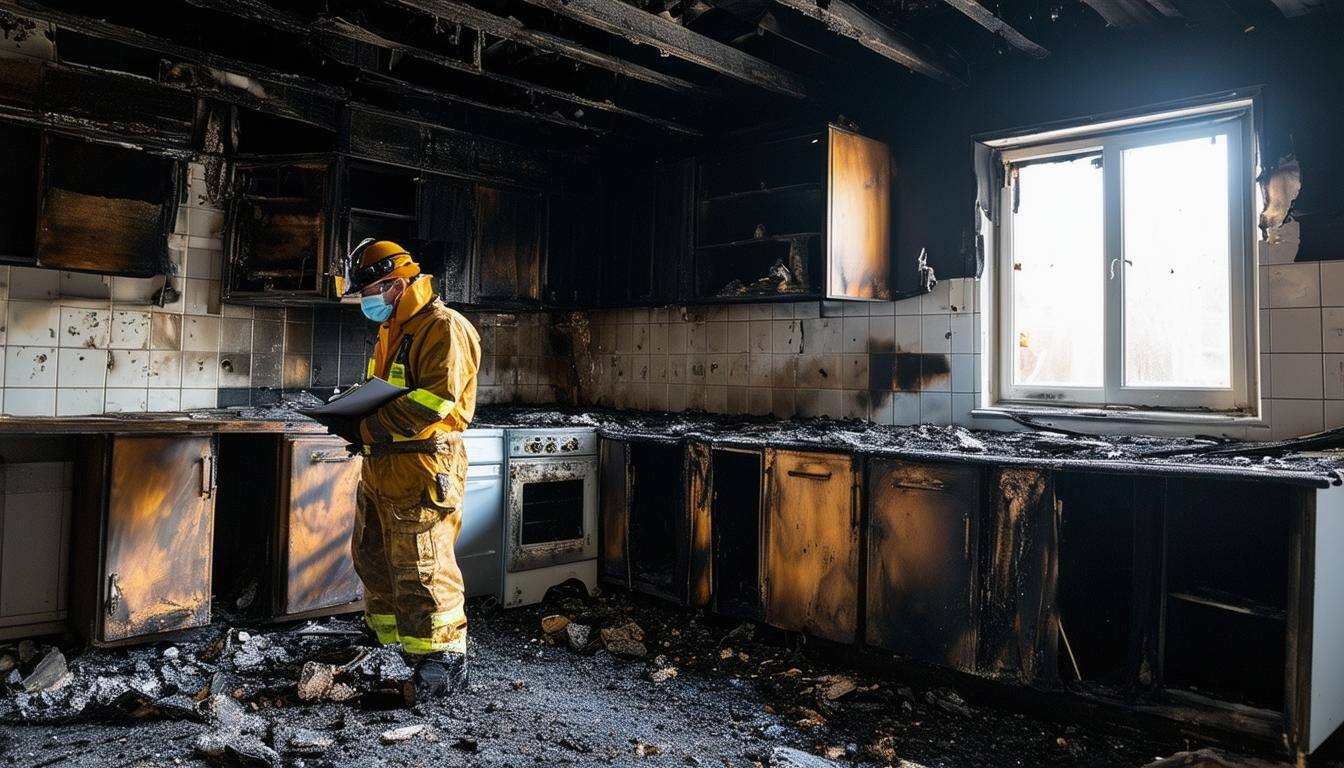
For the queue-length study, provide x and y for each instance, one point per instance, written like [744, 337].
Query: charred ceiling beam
[1123, 14]
[986, 18]
[263, 13]
[515, 31]
[641, 27]
[360, 34]
[1294, 8]
[845, 19]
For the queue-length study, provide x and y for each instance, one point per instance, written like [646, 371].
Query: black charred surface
[1144, 454]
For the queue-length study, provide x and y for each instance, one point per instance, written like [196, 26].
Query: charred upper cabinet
[507, 265]
[20, 153]
[319, 480]
[812, 543]
[281, 230]
[576, 234]
[799, 216]
[143, 536]
[651, 222]
[858, 217]
[104, 208]
[921, 564]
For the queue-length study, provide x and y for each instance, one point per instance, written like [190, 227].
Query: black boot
[440, 674]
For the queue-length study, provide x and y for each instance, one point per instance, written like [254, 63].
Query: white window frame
[1110, 140]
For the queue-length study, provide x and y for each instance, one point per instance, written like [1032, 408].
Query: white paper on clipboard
[358, 401]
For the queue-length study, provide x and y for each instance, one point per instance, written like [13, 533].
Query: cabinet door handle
[966, 535]
[809, 475]
[931, 485]
[332, 457]
[113, 594]
[209, 478]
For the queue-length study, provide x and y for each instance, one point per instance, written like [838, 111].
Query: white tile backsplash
[81, 367]
[25, 401]
[84, 327]
[30, 367]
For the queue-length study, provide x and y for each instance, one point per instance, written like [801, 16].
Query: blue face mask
[375, 308]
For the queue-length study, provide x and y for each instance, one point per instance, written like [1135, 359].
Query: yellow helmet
[373, 261]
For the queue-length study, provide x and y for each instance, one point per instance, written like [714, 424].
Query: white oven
[551, 520]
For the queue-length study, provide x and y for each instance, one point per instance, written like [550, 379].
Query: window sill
[1119, 416]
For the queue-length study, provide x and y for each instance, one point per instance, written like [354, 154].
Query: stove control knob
[550, 446]
[533, 446]
[572, 444]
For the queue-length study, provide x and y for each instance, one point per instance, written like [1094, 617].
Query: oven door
[552, 512]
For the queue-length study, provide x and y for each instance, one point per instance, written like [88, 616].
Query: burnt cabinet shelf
[804, 216]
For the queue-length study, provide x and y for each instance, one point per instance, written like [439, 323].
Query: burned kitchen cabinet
[285, 516]
[443, 243]
[142, 535]
[651, 223]
[922, 578]
[281, 232]
[576, 245]
[812, 543]
[802, 215]
[509, 226]
[645, 519]
[314, 572]
[1018, 632]
[20, 151]
[104, 208]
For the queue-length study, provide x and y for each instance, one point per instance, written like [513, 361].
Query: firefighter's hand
[345, 427]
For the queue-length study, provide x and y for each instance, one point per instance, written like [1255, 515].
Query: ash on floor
[616, 680]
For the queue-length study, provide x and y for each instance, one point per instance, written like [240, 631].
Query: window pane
[1057, 274]
[1177, 294]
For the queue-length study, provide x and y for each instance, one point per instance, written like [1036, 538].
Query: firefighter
[409, 508]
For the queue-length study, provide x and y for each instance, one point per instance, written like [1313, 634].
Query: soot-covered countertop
[1039, 448]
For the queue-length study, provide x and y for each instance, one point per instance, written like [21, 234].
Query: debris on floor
[589, 681]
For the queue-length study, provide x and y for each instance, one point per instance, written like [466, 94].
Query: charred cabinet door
[317, 518]
[614, 471]
[509, 229]
[858, 231]
[812, 556]
[159, 536]
[921, 561]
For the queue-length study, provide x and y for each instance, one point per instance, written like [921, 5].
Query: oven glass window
[552, 511]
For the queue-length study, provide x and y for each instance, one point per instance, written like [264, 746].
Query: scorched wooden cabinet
[319, 480]
[921, 561]
[143, 535]
[812, 543]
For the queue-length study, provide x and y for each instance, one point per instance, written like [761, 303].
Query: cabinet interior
[244, 531]
[1227, 567]
[736, 499]
[1095, 529]
[657, 519]
[19, 152]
